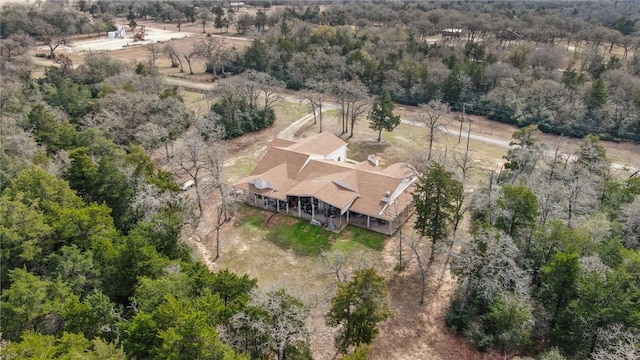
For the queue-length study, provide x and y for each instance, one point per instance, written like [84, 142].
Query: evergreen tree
[358, 307]
[597, 96]
[382, 117]
[435, 198]
[520, 209]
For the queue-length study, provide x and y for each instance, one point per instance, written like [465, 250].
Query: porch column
[277, 205]
[390, 227]
[299, 208]
[368, 220]
[255, 200]
[313, 213]
[286, 207]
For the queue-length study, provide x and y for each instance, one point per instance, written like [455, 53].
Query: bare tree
[433, 116]
[582, 187]
[14, 46]
[317, 97]
[268, 86]
[336, 262]
[307, 96]
[248, 85]
[190, 55]
[277, 327]
[417, 246]
[155, 51]
[215, 51]
[149, 200]
[190, 160]
[170, 113]
[174, 56]
[398, 220]
[119, 115]
[463, 161]
[617, 343]
[551, 195]
[204, 15]
[631, 223]
[341, 266]
[487, 265]
[354, 102]
[214, 157]
[151, 136]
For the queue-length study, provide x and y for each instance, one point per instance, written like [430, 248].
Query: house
[312, 179]
[451, 33]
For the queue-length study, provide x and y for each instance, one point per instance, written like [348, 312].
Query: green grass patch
[367, 238]
[251, 216]
[310, 240]
[302, 237]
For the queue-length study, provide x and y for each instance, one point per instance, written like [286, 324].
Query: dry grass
[416, 331]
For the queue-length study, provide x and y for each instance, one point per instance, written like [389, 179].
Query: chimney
[373, 159]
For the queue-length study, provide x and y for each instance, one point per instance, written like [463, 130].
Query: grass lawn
[197, 102]
[305, 239]
[301, 237]
[288, 112]
[241, 167]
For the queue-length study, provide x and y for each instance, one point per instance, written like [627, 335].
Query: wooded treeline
[524, 66]
[551, 264]
[550, 64]
[93, 265]
[92, 262]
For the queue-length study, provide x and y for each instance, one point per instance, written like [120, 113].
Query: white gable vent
[372, 158]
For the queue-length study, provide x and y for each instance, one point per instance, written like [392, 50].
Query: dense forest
[508, 64]
[92, 261]
[573, 69]
[552, 260]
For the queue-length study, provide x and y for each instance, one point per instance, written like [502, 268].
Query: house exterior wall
[338, 155]
[362, 221]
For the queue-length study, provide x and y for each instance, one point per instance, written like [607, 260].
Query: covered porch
[370, 222]
[318, 212]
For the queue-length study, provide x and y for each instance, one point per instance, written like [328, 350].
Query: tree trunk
[400, 265]
[432, 256]
[379, 135]
[218, 223]
[166, 150]
[465, 298]
[320, 109]
[188, 59]
[430, 144]
[313, 108]
[422, 273]
[198, 197]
